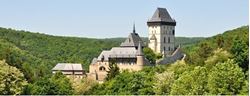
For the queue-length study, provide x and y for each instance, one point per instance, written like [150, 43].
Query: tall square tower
[161, 29]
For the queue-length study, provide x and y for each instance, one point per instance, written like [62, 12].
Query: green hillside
[29, 51]
[214, 65]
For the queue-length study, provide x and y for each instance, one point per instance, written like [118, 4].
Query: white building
[161, 28]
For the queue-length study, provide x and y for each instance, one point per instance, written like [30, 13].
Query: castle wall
[96, 73]
[177, 55]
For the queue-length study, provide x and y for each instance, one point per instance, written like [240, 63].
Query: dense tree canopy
[12, 81]
[225, 78]
[58, 84]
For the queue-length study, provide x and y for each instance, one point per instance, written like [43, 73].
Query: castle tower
[140, 55]
[161, 29]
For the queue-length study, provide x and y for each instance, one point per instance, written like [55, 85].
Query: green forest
[214, 65]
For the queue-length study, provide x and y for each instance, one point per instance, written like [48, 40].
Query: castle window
[129, 40]
[168, 39]
[173, 32]
[102, 68]
[102, 59]
[168, 48]
[164, 48]
[164, 40]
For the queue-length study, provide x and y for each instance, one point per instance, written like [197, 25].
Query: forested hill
[215, 65]
[35, 54]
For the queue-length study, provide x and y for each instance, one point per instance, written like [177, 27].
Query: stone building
[161, 29]
[69, 69]
[128, 56]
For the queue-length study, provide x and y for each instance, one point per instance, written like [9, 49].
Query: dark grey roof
[139, 51]
[118, 52]
[161, 15]
[132, 41]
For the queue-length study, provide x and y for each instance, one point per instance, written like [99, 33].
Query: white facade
[164, 38]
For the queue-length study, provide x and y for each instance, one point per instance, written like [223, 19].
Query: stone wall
[177, 55]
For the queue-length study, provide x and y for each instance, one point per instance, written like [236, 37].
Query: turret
[140, 55]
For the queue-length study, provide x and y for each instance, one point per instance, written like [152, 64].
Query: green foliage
[234, 41]
[36, 54]
[82, 86]
[240, 50]
[58, 84]
[245, 89]
[219, 56]
[12, 81]
[113, 71]
[163, 83]
[191, 82]
[150, 55]
[207, 70]
[126, 83]
[225, 78]
[186, 41]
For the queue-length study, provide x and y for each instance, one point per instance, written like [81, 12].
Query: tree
[126, 83]
[219, 56]
[191, 82]
[203, 52]
[219, 41]
[113, 71]
[12, 81]
[240, 51]
[150, 55]
[83, 86]
[58, 84]
[163, 83]
[225, 78]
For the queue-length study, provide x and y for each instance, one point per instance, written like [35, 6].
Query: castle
[129, 55]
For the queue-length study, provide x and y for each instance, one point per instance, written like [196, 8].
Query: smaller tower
[140, 55]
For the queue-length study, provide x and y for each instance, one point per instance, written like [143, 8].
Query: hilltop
[36, 54]
[208, 59]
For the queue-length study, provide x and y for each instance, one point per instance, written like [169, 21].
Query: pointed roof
[139, 51]
[162, 15]
[132, 40]
[134, 28]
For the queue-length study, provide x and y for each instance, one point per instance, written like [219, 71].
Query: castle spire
[139, 51]
[134, 28]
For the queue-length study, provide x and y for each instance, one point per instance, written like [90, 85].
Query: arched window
[102, 68]
[164, 48]
[173, 32]
[168, 48]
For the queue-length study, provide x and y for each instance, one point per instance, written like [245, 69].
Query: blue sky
[114, 18]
